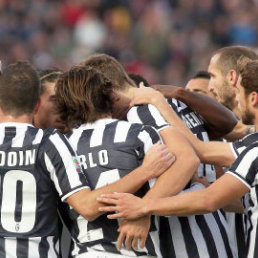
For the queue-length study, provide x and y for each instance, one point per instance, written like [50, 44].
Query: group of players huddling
[130, 170]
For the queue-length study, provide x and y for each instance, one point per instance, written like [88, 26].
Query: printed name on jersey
[89, 161]
[17, 158]
[191, 120]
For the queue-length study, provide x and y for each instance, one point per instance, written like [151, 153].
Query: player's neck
[4, 118]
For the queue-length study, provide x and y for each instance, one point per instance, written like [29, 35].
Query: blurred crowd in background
[166, 41]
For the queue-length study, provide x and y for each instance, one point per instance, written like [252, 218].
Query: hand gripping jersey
[36, 168]
[109, 149]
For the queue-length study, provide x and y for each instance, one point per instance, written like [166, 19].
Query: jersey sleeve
[240, 145]
[245, 168]
[62, 164]
[148, 115]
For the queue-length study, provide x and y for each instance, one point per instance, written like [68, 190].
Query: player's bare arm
[196, 202]
[218, 153]
[218, 119]
[156, 161]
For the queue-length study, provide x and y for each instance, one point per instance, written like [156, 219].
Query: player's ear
[254, 98]
[232, 77]
[36, 109]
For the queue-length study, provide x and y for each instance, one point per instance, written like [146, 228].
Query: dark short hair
[248, 70]
[137, 78]
[48, 75]
[109, 66]
[83, 94]
[19, 89]
[228, 57]
[202, 75]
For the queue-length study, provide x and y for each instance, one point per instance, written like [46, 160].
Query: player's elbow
[209, 205]
[89, 214]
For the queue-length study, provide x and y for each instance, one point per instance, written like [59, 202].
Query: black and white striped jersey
[36, 168]
[240, 145]
[201, 236]
[149, 115]
[245, 168]
[183, 237]
[109, 149]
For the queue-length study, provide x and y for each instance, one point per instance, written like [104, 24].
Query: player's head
[83, 95]
[111, 68]
[137, 78]
[19, 89]
[224, 73]
[199, 84]
[47, 115]
[247, 90]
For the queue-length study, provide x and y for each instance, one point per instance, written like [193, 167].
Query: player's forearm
[179, 174]
[218, 119]
[129, 183]
[180, 205]
[239, 131]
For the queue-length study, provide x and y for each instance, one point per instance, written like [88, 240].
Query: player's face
[200, 85]
[47, 116]
[247, 115]
[219, 85]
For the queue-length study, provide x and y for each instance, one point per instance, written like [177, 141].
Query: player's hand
[145, 95]
[157, 160]
[201, 180]
[126, 205]
[133, 233]
[167, 90]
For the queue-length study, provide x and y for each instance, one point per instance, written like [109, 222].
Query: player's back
[108, 150]
[28, 225]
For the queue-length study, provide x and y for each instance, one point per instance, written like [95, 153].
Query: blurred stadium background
[167, 41]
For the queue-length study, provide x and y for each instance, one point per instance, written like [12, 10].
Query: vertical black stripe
[84, 141]
[43, 248]
[166, 242]
[10, 133]
[191, 246]
[2, 248]
[30, 135]
[109, 134]
[240, 235]
[146, 116]
[152, 132]
[22, 250]
[223, 234]
[207, 235]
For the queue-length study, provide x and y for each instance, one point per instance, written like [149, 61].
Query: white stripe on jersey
[97, 136]
[52, 172]
[38, 137]
[245, 163]
[133, 116]
[19, 138]
[10, 247]
[2, 134]
[253, 234]
[157, 116]
[51, 251]
[220, 246]
[146, 139]
[64, 152]
[33, 249]
[155, 237]
[75, 137]
[121, 131]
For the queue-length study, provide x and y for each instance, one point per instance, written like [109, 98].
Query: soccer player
[239, 180]
[47, 116]
[108, 150]
[200, 83]
[177, 234]
[37, 168]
